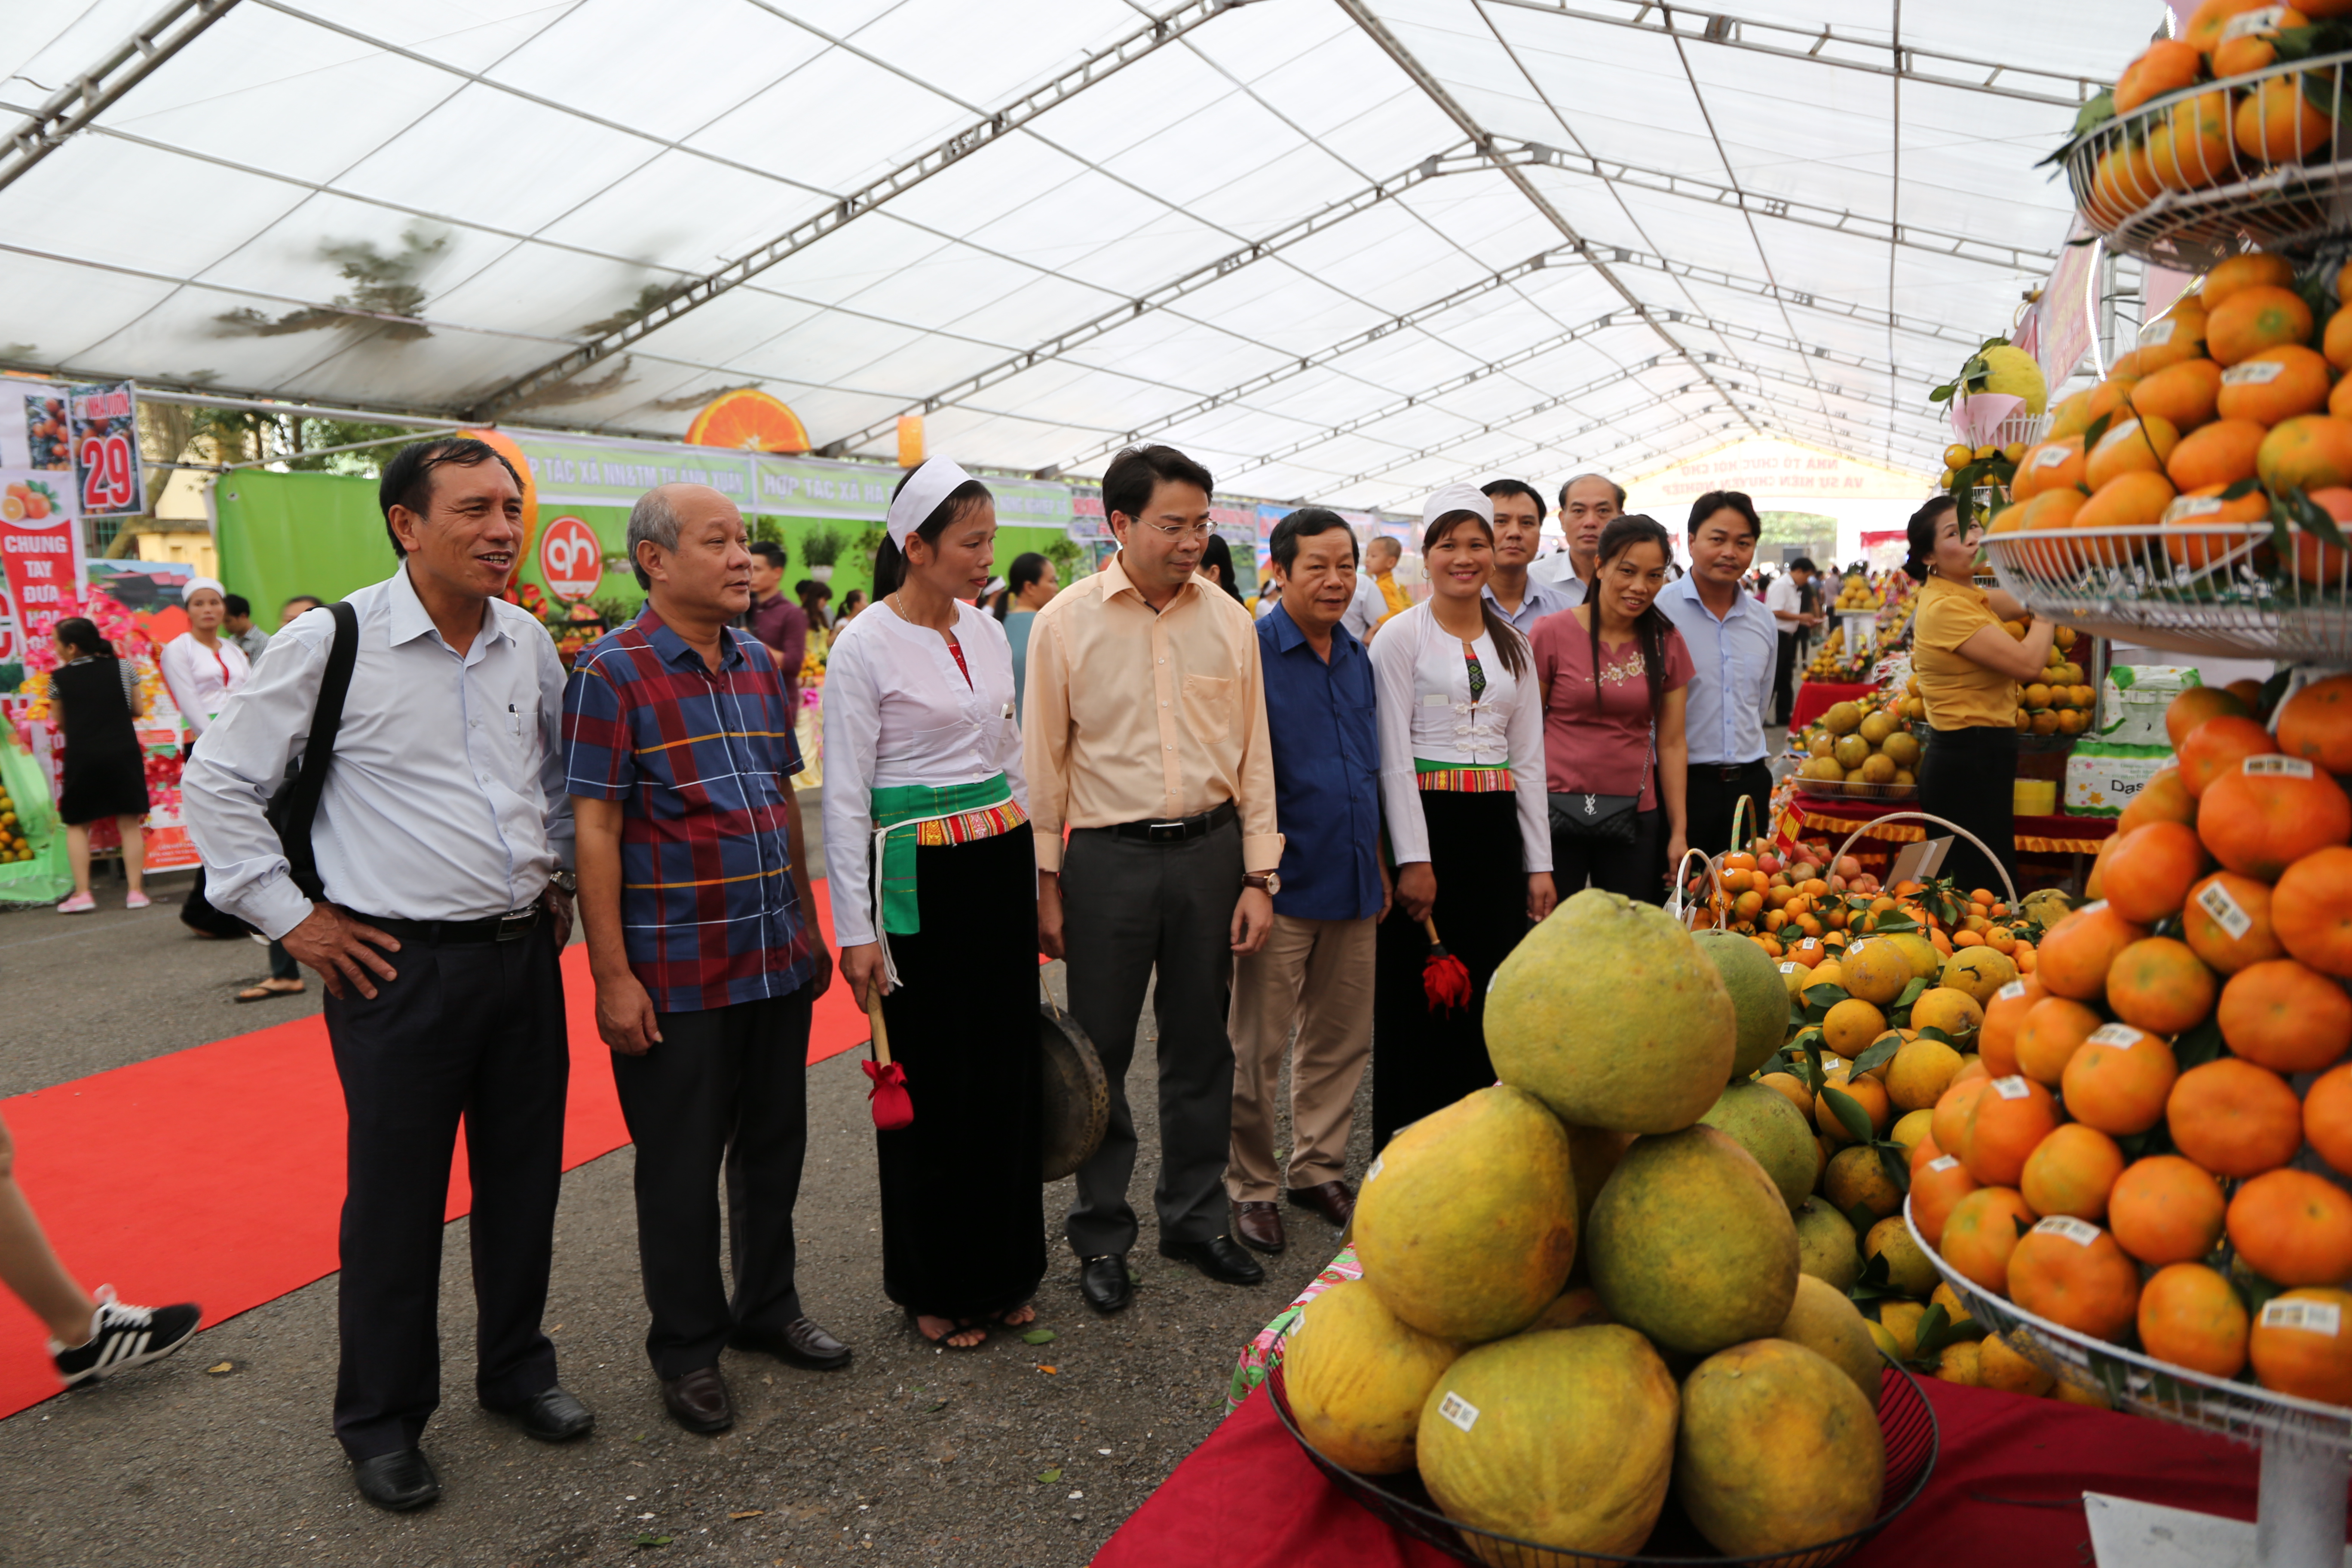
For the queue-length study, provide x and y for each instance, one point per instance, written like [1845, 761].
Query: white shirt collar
[408, 619]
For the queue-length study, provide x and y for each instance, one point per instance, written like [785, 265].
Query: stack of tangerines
[2148, 1145]
[2227, 387]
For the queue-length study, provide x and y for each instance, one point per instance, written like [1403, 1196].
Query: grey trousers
[1130, 907]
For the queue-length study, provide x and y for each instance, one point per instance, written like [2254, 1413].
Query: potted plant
[819, 551]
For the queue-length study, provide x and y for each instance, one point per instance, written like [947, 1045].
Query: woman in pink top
[1613, 671]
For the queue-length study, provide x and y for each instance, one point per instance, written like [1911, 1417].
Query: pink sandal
[78, 904]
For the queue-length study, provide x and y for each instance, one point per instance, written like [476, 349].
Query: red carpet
[216, 1174]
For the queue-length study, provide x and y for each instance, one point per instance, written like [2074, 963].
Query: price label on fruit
[102, 435]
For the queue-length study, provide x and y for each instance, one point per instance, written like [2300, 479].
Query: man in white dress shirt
[1587, 503]
[1732, 648]
[1522, 598]
[1786, 599]
[442, 846]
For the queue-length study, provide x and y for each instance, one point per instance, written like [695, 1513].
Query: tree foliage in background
[1808, 530]
[1069, 558]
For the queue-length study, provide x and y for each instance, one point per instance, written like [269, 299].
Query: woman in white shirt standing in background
[934, 890]
[1463, 801]
[200, 667]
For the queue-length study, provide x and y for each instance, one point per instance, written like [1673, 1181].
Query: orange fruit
[2335, 340]
[2339, 402]
[1949, 1120]
[2072, 1273]
[2220, 453]
[2327, 1118]
[2165, 1209]
[2317, 722]
[2130, 446]
[2193, 537]
[2187, 394]
[2193, 707]
[2055, 464]
[2274, 384]
[2158, 984]
[2079, 950]
[2191, 145]
[2073, 416]
[1867, 1092]
[2312, 910]
[2310, 452]
[2055, 508]
[2216, 746]
[2315, 562]
[2294, 1229]
[2163, 798]
[2276, 123]
[2228, 922]
[2285, 1016]
[2119, 1081]
[1936, 1187]
[2234, 1117]
[2302, 1345]
[2070, 1172]
[1997, 1035]
[2052, 1031]
[2113, 395]
[2134, 499]
[2166, 65]
[2255, 46]
[2191, 1316]
[2270, 812]
[2178, 334]
[1924, 1151]
[750, 421]
[2007, 1120]
[2254, 268]
[2149, 870]
[1981, 1232]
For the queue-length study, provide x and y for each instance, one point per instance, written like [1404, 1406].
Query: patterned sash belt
[1459, 780]
[911, 816]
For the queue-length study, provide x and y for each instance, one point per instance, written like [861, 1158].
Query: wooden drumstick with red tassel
[892, 1108]
[1444, 979]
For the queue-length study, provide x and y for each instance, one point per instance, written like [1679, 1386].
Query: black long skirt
[1969, 776]
[1424, 1061]
[963, 1210]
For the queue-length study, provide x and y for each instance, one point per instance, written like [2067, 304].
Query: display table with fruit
[1815, 698]
[2047, 835]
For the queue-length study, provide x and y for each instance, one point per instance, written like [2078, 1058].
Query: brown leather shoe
[698, 1401]
[1259, 1225]
[800, 1341]
[1332, 1200]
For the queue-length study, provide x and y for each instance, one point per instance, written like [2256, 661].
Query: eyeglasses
[1197, 533]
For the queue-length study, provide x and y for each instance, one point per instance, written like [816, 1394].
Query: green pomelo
[1466, 1222]
[1607, 1012]
[1826, 1321]
[1692, 1244]
[1758, 999]
[1825, 1245]
[1768, 1124]
[1778, 1450]
[1565, 1438]
[1358, 1377]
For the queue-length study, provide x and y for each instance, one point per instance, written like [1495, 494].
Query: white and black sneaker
[123, 1336]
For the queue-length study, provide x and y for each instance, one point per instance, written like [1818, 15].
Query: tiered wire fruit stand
[2217, 589]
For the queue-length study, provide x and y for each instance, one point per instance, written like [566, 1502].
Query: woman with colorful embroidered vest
[1614, 673]
[934, 893]
[1462, 803]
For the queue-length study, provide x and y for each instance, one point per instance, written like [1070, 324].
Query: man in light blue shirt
[1520, 598]
[1733, 643]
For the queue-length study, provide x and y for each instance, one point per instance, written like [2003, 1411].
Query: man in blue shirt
[1316, 969]
[1733, 643]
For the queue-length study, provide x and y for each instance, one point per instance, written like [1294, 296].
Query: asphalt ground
[1010, 1454]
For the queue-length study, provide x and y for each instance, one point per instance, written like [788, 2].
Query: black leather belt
[1729, 773]
[1180, 829]
[510, 927]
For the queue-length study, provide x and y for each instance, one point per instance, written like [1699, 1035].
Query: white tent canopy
[1345, 250]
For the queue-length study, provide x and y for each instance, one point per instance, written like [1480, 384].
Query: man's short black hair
[773, 553]
[1714, 501]
[1307, 522]
[1494, 488]
[1802, 564]
[236, 605]
[1135, 472]
[408, 478]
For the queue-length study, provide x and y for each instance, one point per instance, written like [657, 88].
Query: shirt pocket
[1208, 703]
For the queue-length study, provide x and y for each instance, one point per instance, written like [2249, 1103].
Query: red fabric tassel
[892, 1109]
[1444, 979]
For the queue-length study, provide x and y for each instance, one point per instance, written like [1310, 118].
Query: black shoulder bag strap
[295, 806]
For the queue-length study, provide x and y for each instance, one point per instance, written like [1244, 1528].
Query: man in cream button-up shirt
[1145, 732]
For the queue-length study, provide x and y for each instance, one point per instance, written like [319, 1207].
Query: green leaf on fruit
[1911, 993]
[1880, 1054]
[1862, 1216]
[1849, 1112]
[1895, 1163]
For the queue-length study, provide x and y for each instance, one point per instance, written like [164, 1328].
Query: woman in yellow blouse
[1969, 667]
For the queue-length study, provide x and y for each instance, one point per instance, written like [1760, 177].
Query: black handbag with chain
[1603, 818]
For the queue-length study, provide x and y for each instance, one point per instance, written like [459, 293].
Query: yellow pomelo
[1857, 1175]
[1692, 1244]
[1919, 1074]
[1592, 1153]
[1979, 971]
[1960, 1363]
[1759, 999]
[1901, 1318]
[1466, 1222]
[1778, 1450]
[1924, 960]
[1910, 1128]
[1825, 1248]
[1825, 1322]
[1762, 1121]
[2011, 372]
[1907, 1268]
[1565, 1438]
[1955, 1012]
[1877, 971]
[1608, 1014]
[1358, 1377]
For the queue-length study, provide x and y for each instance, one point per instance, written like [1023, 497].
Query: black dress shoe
[1218, 1258]
[1332, 1200]
[399, 1481]
[800, 1341]
[699, 1400]
[1104, 1283]
[553, 1417]
[1258, 1224]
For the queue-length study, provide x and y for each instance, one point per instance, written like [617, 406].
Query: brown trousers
[1317, 976]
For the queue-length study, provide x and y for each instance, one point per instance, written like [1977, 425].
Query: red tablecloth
[1815, 698]
[2059, 835]
[2007, 1488]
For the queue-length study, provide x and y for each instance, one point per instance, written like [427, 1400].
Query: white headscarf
[929, 485]
[1458, 496]
[196, 585]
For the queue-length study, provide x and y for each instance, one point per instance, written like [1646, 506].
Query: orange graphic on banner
[747, 421]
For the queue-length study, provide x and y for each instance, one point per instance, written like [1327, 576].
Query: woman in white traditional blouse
[1463, 805]
[934, 893]
[200, 668]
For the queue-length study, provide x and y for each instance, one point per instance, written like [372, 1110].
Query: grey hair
[1574, 480]
[652, 519]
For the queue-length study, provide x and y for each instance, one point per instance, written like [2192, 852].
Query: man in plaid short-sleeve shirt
[680, 755]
